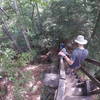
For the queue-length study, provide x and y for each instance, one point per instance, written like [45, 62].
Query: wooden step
[78, 98]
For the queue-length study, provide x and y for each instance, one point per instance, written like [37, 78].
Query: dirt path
[36, 85]
[35, 95]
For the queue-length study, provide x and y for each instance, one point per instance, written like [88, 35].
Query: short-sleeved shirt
[78, 56]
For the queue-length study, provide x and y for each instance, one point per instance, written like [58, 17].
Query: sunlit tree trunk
[2, 10]
[19, 12]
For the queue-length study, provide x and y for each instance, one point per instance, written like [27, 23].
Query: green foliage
[41, 2]
[43, 24]
[6, 58]
[11, 66]
[26, 57]
[58, 20]
[19, 85]
[11, 59]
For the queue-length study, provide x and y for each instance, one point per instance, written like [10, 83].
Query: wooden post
[61, 87]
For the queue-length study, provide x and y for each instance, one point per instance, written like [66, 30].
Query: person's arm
[69, 61]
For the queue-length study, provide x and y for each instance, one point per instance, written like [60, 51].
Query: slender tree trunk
[19, 12]
[26, 39]
[39, 19]
[4, 12]
[96, 30]
[34, 28]
[16, 7]
[10, 36]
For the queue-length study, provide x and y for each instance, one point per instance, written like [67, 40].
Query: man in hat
[78, 55]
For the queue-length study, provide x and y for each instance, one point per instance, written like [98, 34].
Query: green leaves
[41, 2]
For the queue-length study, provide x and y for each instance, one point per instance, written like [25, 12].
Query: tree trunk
[39, 19]
[19, 12]
[16, 7]
[26, 39]
[34, 28]
[4, 12]
[96, 29]
[10, 36]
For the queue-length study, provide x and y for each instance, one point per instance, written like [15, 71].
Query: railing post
[61, 87]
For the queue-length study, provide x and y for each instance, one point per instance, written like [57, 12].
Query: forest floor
[36, 85]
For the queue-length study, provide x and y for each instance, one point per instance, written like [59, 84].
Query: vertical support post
[61, 87]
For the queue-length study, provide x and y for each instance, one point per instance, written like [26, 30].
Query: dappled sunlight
[30, 67]
[10, 95]
[33, 87]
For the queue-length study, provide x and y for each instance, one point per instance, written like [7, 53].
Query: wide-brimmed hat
[80, 40]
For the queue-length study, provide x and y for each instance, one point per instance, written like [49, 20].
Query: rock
[51, 80]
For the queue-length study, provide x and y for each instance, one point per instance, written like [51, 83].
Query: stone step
[71, 88]
[78, 98]
[73, 91]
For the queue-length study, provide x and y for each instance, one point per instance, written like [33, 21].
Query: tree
[10, 36]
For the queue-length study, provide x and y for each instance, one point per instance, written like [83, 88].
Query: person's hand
[61, 54]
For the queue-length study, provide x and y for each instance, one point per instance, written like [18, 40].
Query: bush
[11, 61]
[25, 58]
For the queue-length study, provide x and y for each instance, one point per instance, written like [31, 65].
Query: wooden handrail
[97, 91]
[93, 61]
[97, 82]
[61, 87]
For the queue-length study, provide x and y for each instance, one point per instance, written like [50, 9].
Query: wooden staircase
[72, 92]
[67, 83]
[68, 89]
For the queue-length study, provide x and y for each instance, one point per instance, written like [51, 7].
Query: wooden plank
[97, 82]
[61, 87]
[61, 90]
[62, 69]
[78, 98]
[97, 91]
[93, 61]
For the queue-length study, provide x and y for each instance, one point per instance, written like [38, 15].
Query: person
[78, 55]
